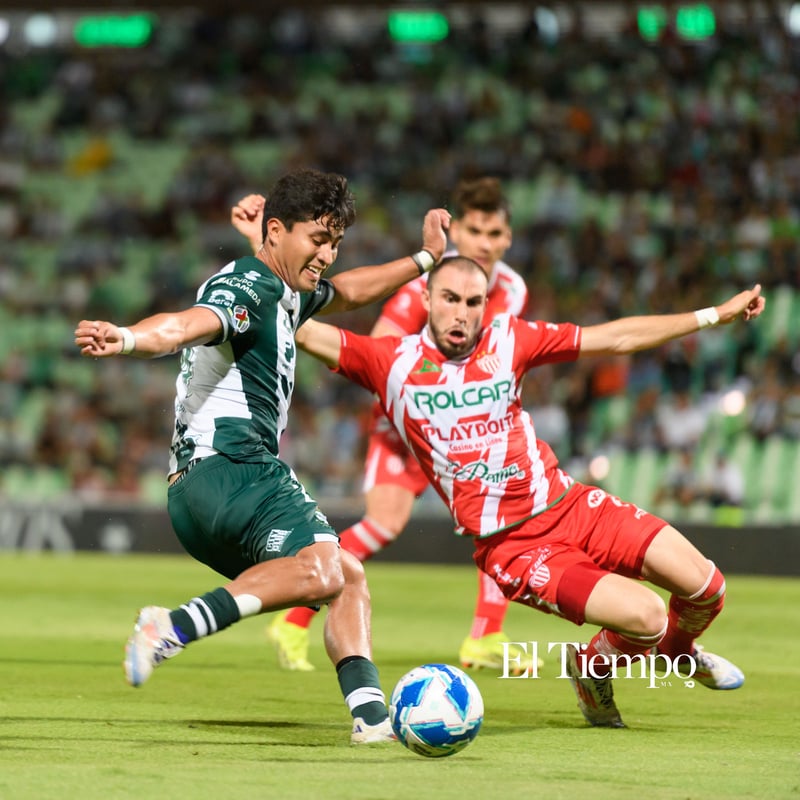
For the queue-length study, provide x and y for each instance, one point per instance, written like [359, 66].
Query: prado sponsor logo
[657, 669]
[480, 470]
[469, 396]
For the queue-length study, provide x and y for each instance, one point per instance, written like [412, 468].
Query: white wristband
[707, 317]
[128, 341]
[424, 261]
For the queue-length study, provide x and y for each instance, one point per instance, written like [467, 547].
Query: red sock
[301, 616]
[490, 608]
[366, 538]
[690, 616]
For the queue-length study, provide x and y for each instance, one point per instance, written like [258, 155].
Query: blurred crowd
[644, 177]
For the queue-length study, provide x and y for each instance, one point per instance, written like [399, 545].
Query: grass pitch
[222, 721]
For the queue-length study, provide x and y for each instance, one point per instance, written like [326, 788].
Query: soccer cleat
[595, 695]
[488, 653]
[291, 644]
[371, 734]
[153, 640]
[714, 671]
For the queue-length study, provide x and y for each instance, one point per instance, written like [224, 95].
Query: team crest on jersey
[488, 362]
[427, 366]
[241, 319]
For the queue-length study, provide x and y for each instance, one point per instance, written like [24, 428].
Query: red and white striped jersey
[507, 294]
[463, 420]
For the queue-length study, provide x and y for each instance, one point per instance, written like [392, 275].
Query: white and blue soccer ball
[436, 710]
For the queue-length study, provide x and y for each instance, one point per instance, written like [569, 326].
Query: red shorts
[553, 561]
[388, 461]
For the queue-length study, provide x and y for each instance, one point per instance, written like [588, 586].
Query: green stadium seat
[153, 485]
[778, 321]
[620, 473]
[647, 473]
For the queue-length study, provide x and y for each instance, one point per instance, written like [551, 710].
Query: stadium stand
[644, 176]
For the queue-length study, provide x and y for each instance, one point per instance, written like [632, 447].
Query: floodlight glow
[40, 30]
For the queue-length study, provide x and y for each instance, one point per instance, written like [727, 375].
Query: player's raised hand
[434, 232]
[246, 217]
[98, 339]
[746, 305]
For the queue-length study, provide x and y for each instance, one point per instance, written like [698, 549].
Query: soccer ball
[436, 710]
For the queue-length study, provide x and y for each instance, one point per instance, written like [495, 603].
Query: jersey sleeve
[236, 295]
[366, 360]
[547, 342]
[313, 302]
[404, 310]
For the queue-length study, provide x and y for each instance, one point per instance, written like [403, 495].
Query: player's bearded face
[457, 300]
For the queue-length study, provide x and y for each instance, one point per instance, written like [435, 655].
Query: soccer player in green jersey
[234, 505]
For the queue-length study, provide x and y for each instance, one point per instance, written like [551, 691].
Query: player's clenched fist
[99, 339]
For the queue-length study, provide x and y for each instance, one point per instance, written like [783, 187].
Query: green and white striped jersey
[233, 394]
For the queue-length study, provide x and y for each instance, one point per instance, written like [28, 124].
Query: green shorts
[232, 515]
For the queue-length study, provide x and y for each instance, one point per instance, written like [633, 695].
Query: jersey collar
[290, 299]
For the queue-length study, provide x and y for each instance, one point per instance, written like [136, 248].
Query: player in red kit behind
[480, 229]
[549, 542]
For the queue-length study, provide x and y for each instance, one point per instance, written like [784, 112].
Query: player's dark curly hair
[308, 194]
[479, 194]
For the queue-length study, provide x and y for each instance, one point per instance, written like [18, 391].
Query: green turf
[221, 721]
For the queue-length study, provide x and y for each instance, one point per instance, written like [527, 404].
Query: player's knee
[650, 617]
[322, 578]
[353, 570]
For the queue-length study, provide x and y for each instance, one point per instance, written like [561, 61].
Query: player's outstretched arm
[247, 216]
[631, 334]
[159, 335]
[321, 340]
[363, 285]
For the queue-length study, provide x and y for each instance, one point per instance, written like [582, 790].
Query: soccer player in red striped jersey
[549, 542]
[480, 229]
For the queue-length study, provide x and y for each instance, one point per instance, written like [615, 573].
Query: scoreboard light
[418, 26]
[695, 22]
[651, 21]
[133, 30]
[691, 21]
